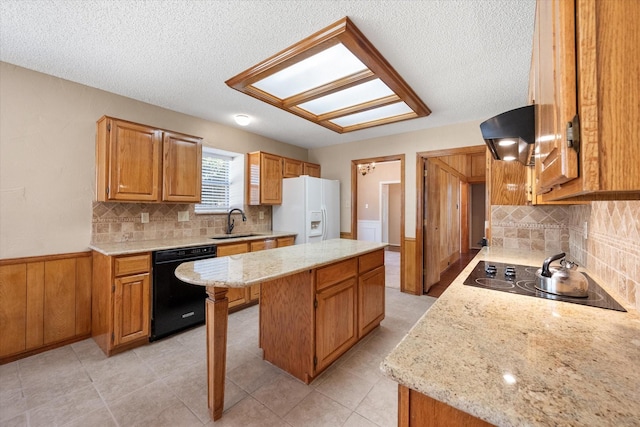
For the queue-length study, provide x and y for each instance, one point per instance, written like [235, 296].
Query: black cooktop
[521, 280]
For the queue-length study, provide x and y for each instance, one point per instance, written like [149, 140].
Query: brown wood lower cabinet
[417, 410]
[121, 301]
[310, 319]
[241, 298]
[45, 302]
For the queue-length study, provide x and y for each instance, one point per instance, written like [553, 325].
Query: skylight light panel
[335, 78]
[324, 67]
[388, 111]
[365, 92]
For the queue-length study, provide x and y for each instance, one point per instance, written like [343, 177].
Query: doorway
[445, 215]
[378, 205]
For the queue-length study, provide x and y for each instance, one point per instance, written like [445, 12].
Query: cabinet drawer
[132, 264]
[327, 276]
[370, 261]
[233, 249]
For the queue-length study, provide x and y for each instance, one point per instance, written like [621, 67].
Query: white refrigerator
[310, 207]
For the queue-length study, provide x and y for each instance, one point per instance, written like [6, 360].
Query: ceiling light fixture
[366, 168]
[335, 78]
[242, 119]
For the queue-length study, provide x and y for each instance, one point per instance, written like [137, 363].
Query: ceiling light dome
[242, 119]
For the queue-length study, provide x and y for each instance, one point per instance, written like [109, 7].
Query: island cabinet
[121, 302]
[309, 319]
[139, 163]
[586, 97]
[417, 410]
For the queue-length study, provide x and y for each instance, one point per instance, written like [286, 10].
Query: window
[222, 181]
[335, 78]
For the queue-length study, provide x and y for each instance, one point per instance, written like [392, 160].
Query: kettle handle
[545, 265]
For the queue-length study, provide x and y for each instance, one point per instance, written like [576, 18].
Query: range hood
[511, 135]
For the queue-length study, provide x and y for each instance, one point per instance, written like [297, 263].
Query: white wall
[336, 160]
[47, 156]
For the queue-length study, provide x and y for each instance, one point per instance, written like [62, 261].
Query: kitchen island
[317, 300]
[483, 356]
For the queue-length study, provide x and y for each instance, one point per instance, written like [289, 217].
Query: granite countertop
[516, 360]
[239, 271]
[124, 248]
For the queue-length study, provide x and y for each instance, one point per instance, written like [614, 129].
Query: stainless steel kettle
[564, 280]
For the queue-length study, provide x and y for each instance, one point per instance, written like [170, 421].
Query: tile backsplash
[610, 249]
[537, 228]
[120, 222]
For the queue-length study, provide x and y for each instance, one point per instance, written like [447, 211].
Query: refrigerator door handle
[324, 223]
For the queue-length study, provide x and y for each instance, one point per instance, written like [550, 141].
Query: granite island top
[239, 271]
[514, 360]
[123, 248]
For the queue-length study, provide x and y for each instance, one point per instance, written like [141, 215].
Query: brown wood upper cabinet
[266, 172]
[582, 56]
[139, 163]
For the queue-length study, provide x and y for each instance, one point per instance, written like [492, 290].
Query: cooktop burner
[521, 280]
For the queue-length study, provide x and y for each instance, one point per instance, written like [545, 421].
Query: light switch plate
[183, 216]
[260, 215]
[144, 217]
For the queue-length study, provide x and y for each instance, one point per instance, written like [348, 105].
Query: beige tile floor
[163, 383]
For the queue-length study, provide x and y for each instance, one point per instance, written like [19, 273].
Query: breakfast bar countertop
[516, 360]
[239, 271]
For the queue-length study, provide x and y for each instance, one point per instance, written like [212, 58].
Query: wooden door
[336, 329]
[449, 219]
[431, 229]
[134, 172]
[131, 308]
[556, 92]
[181, 168]
[370, 300]
[270, 179]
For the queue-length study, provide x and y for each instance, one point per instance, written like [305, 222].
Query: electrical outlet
[183, 216]
[260, 215]
[144, 217]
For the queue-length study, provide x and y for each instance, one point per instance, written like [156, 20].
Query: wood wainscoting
[45, 302]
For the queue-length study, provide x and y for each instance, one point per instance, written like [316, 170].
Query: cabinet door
[131, 308]
[370, 300]
[311, 169]
[291, 168]
[270, 179]
[134, 159]
[236, 296]
[335, 322]
[182, 168]
[556, 93]
[260, 245]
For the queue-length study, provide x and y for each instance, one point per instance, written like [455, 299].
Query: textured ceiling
[466, 59]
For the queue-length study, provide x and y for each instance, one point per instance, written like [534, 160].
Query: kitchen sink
[233, 236]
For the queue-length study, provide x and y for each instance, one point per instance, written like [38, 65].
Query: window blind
[215, 183]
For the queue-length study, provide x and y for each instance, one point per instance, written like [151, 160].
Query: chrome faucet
[231, 222]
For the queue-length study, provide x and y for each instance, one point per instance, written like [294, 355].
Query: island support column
[216, 319]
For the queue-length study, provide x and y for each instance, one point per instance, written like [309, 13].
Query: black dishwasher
[176, 305]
